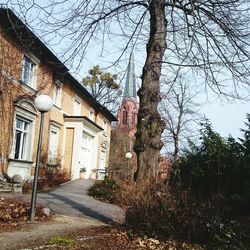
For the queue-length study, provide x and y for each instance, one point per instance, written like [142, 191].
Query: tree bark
[150, 125]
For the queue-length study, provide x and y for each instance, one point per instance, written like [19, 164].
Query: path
[71, 199]
[73, 209]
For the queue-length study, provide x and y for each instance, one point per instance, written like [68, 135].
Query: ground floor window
[53, 144]
[23, 127]
[102, 164]
[22, 138]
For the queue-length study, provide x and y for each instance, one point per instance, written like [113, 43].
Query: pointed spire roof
[130, 84]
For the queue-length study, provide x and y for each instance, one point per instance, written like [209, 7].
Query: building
[123, 135]
[128, 110]
[76, 130]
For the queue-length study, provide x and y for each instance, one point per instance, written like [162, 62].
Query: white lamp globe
[43, 103]
[128, 155]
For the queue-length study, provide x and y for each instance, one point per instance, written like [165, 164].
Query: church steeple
[128, 110]
[130, 84]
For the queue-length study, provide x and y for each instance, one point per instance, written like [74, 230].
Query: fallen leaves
[14, 213]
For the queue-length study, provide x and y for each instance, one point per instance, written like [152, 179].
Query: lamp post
[43, 104]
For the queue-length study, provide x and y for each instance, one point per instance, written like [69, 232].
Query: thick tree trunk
[150, 125]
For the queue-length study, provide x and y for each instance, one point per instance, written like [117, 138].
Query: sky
[226, 117]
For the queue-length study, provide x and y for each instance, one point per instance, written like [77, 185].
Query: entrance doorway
[69, 150]
[85, 153]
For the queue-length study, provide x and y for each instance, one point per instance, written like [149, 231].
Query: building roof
[31, 43]
[130, 84]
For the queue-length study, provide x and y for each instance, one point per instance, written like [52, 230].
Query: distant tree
[103, 86]
[179, 111]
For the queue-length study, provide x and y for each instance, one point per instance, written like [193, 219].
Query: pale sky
[227, 118]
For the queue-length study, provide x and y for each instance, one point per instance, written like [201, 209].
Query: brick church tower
[123, 136]
[128, 110]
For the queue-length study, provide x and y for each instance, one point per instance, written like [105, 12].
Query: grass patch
[59, 240]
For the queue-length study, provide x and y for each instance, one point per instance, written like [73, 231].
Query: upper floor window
[29, 72]
[105, 127]
[92, 114]
[77, 107]
[57, 94]
[21, 141]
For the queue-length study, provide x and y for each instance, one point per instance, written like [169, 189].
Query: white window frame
[77, 103]
[24, 111]
[92, 114]
[103, 157]
[53, 145]
[24, 132]
[29, 78]
[105, 127]
[57, 94]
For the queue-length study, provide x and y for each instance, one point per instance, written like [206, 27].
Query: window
[53, 144]
[134, 117]
[77, 107]
[102, 163]
[21, 141]
[29, 72]
[57, 95]
[124, 116]
[104, 126]
[20, 160]
[92, 114]
[102, 160]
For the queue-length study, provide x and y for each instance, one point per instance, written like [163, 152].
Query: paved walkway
[74, 210]
[71, 199]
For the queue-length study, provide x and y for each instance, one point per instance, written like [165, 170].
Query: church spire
[130, 85]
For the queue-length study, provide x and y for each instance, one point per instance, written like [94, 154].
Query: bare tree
[210, 36]
[180, 113]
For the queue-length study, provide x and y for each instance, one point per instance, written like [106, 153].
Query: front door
[85, 153]
[68, 150]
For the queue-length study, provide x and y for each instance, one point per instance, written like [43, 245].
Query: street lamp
[43, 104]
[128, 155]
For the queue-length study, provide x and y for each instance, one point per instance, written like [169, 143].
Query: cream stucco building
[76, 130]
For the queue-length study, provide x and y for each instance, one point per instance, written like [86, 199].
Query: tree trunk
[150, 125]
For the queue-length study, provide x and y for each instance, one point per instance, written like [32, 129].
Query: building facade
[77, 129]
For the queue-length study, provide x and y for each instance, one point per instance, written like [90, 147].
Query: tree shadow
[81, 208]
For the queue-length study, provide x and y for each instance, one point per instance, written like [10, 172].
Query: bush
[105, 190]
[155, 210]
[216, 166]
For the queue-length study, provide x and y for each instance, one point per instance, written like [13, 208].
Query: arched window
[124, 116]
[25, 115]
